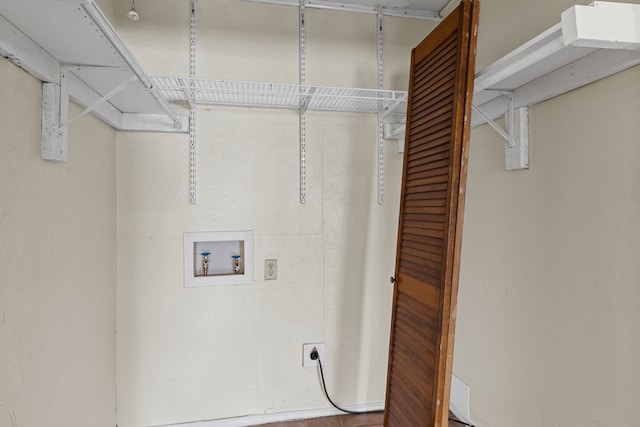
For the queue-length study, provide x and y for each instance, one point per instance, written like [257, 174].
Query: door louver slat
[410, 408]
[427, 262]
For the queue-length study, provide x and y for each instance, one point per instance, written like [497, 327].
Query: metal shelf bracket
[55, 112]
[517, 156]
[304, 104]
[190, 95]
[517, 134]
[380, 54]
[55, 107]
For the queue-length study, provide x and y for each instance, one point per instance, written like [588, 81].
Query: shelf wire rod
[303, 119]
[342, 99]
[380, 53]
[192, 109]
[225, 92]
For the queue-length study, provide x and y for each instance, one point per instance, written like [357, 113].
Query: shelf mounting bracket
[192, 106]
[55, 107]
[380, 145]
[517, 156]
[55, 112]
[303, 104]
[517, 134]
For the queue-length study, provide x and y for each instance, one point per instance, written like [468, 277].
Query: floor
[367, 420]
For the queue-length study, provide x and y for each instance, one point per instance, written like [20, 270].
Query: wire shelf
[279, 95]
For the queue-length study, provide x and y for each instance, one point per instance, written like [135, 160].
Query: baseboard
[459, 407]
[253, 420]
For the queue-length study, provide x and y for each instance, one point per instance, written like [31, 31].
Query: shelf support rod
[381, 114]
[104, 98]
[517, 138]
[508, 138]
[303, 119]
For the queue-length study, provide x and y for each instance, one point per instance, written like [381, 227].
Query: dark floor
[366, 420]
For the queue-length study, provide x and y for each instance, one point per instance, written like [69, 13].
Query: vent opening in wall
[218, 258]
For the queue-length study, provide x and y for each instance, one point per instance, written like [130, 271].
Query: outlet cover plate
[270, 269]
[307, 362]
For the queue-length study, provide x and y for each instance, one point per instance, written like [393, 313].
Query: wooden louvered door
[430, 228]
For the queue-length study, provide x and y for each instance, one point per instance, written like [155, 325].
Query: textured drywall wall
[57, 267]
[547, 331]
[208, 353]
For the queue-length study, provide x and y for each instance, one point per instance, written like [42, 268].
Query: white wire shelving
[234, 93]
[389, 105]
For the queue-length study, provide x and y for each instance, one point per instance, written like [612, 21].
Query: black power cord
[314, 355]
[461, 422]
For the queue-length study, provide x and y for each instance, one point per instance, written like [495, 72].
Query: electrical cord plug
[314, 355]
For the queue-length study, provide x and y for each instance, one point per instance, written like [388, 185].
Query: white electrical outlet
[307, 362]
[270, 269]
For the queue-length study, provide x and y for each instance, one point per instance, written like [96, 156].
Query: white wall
[192, 354]
[57, 267]
[547, 318]
[547, 331]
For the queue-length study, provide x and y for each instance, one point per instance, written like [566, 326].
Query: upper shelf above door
[589, 43]
[72, 40]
